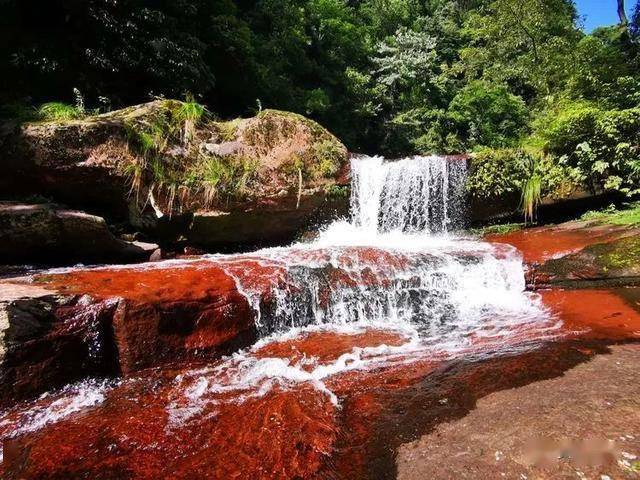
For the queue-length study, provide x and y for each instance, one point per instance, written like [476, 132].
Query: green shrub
[601, 144]
[488, 115]
[58, 111]
[528, 173]
[19, 112]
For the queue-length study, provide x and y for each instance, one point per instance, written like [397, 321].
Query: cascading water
[418, 194]
[392, 286]
[394, 263]
[394, 267]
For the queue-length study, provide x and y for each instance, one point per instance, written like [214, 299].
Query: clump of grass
[531, 192]
[59, 111]
[337, 191]
[327, 157]
[628, 216]
[220, 177]
[228, 130]
[189, 113]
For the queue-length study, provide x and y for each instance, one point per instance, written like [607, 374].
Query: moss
[628, 216]
[621, 254]
[497, 229]
[336, 192]
[317, 131]
[326, 158]
[228, 130]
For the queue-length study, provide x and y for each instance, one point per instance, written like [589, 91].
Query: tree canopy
[391, 76]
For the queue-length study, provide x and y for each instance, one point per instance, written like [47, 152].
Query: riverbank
[584, 424]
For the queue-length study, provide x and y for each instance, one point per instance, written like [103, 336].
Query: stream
[384, 325]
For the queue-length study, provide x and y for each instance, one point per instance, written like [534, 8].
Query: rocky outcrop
[48, 340]
[54, 235]
[155, 167]
[615, 263]
[578, 254]
[60, 328]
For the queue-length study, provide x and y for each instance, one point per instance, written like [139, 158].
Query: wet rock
[578, 254]
[614, 263]
[47, 233]
[48, 340]
[578, 425]
[161, 315]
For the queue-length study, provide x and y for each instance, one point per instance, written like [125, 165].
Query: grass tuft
[59, 111]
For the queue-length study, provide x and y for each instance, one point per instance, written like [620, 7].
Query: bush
[604, 145]
[515, 170]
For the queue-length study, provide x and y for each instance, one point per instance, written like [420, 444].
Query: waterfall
[390, 264]
[417, 194]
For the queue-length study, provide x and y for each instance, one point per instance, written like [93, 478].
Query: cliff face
[168, 169]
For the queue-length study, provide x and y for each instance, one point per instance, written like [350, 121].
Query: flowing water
[397, 262]
[395, 279]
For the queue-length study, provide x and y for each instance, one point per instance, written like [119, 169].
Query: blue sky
[597, 13]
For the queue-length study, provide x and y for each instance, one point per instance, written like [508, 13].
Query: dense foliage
[393, 76]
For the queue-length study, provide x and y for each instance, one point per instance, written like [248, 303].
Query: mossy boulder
[614, 263]
[157, 165]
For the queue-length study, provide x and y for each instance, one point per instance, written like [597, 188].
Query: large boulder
[50, 234]
[158, 165]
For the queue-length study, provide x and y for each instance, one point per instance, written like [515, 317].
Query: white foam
[53, 407]
[396, 265]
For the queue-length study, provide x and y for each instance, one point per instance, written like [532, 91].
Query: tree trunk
[622, 14]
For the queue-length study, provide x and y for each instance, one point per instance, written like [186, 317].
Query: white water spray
[417, 194]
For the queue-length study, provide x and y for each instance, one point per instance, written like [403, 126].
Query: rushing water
[411, 195]
[395, 263]
[396, 266]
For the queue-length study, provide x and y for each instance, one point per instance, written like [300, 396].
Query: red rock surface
[543, 243]
[168, 314]
[598, 314]
[197, 420]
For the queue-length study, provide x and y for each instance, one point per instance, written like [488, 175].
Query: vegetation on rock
[629, 215]
[393, 77]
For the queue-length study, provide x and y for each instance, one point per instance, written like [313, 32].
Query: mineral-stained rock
[48, 340]
[51, 234]
[615, 263]
[580, 254]
[65, 327]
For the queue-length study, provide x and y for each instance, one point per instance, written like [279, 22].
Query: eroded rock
[277, 164]
[47, 233]
[48, 340]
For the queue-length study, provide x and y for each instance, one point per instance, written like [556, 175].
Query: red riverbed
[294, 430]
[277, 411]
[543, 243]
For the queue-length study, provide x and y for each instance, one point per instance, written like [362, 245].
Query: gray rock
[50, 234]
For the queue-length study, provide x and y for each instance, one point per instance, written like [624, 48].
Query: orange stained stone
[600, 314]
[542, 243]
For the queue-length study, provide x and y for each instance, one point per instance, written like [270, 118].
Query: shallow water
[366, 337]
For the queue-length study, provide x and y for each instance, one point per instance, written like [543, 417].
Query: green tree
[527, 44]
